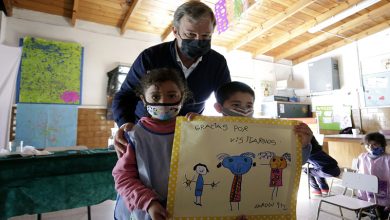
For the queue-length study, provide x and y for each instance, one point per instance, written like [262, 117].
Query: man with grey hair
[190, 53]
[203, 68]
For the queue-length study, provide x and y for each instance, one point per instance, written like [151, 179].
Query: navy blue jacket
[321, 160]
[208, 75]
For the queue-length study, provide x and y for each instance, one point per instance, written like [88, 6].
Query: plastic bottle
[110, 142]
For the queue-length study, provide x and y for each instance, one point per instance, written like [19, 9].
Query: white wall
[104, 48]
[375, 45]
[350, 58]
[103, 45]
[3, 24]
[348, 74]
[251, 71]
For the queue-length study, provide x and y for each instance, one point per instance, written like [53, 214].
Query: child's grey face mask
[243, 112]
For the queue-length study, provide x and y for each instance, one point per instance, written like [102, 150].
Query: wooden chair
[356, 181]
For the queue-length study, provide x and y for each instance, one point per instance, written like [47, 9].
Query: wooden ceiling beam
[363, 34]
[303, 28]
[344, 27]
[166, 32]
[134, 4]
[250, 9]
[307, 11]
[111, 4]
[74, 12]
[275, 20]
[42, 7]
[8, 7]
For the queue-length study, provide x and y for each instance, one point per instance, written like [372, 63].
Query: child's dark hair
[377, 137]
[157, 76]
[201, 164]
[225, 91]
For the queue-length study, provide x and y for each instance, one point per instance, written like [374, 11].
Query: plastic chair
[356, 181]
[308, 178]
[354, 169]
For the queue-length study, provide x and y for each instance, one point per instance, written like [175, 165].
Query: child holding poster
[141, 174]
[237, 99]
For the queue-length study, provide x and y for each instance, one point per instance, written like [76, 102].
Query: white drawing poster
[224, 167]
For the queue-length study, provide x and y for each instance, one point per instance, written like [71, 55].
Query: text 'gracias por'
[237, 129]
[221, 127]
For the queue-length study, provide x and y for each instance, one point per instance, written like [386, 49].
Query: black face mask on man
[193, 48]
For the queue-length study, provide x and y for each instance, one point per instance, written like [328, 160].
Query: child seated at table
[376, 162]
[323, 166]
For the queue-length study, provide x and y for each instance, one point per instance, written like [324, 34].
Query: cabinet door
[287, 110]
[324, 75]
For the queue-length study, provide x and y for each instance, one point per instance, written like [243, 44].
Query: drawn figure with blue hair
[238, 165]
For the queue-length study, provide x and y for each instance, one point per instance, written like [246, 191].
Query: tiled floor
[102, 211]
[306, 209]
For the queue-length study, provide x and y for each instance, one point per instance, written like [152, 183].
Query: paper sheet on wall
[334, 117]
[50, 72]
[45, 125]
[223, 167]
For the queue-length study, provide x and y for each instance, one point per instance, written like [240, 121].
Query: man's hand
[120, 142]
[304, 132]
[157, 211]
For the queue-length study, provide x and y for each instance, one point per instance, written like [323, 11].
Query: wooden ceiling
[277, 28]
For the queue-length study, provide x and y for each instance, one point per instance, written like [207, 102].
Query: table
[345, 147]
[63, 180]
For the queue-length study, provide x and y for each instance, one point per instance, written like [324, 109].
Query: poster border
[175, 161]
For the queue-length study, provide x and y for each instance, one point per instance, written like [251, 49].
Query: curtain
[9, 65]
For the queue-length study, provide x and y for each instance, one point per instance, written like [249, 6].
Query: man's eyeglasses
[194, 36]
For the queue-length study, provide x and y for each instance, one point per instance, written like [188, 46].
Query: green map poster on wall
[50, 72]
